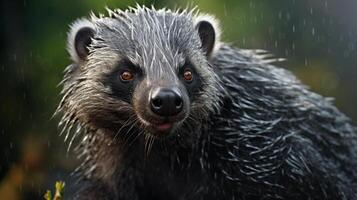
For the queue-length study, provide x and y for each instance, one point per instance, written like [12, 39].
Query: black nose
[166, 102]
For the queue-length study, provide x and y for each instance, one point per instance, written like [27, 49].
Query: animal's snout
[166, 102]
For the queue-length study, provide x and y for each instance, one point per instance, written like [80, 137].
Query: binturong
[162, 109]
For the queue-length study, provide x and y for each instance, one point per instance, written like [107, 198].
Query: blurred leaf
[48, 195]
[59, 186]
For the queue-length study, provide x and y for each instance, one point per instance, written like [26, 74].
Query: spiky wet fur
[257, 132]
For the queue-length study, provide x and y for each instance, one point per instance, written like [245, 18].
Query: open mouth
[161, 129]
[164, 126]
[158, 128]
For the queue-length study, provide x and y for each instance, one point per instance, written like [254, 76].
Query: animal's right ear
[79, 38]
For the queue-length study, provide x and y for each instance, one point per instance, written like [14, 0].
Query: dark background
[318, 38]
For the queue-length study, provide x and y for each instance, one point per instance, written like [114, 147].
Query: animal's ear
[209, 32]
[79, 38]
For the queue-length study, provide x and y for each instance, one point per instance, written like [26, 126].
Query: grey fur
[252, 132]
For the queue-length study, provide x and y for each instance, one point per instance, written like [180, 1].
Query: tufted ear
[209, 32]
[79, 38]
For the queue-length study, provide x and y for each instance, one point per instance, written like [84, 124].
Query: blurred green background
[318, 38]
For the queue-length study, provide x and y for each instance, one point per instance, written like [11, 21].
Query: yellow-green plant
[58, 193]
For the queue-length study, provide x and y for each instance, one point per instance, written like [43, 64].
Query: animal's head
[142, 69]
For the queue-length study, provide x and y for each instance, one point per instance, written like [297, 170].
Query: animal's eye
[188, 75]
[126, 76]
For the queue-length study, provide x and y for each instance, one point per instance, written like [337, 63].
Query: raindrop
[313, 31]
[293, 28]
[225, 9]
[255, 20]
[271, 30]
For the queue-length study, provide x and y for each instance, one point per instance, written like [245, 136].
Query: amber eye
[187, 75]
[126, 76]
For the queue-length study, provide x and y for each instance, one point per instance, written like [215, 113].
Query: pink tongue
[164, 126]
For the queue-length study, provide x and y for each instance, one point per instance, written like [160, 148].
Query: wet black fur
[272, 139]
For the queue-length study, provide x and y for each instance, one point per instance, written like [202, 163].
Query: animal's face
[142, 69]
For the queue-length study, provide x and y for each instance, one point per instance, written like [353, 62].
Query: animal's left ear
[209, 32]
